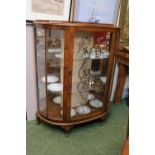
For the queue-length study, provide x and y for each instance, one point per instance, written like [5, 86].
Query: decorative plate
[58, 55]
[103, 79]
[83, 109]
[90, 97]
[92, 55]
[57, 100]
[104, 55]
[96, 103]
[56, 50]
[73, 112]
[55, 87]
[50, 79]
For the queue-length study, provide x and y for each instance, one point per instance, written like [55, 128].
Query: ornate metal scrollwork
[89, 76]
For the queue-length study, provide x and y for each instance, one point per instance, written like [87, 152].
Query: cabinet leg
[102, 120]
[66, 134]
[67, 129]
[122, 73]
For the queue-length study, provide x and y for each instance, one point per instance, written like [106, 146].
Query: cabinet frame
[69, 30]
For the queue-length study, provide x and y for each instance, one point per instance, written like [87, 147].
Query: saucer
[73, 112]
[58, 55]
[50, 79]
[96, 103]
[90, 97]
[103, 79]
[54, 50]
[57, 100]
[83, 109]
[104, 55]
[55, 87]
[92, 55]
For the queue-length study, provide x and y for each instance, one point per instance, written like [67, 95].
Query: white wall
[31, 95]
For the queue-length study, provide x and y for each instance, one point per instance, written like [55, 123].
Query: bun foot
[67, 129]
[67, 134]
[101, 123]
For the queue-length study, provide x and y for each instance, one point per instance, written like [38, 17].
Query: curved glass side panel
[54, 70]
[40, 60]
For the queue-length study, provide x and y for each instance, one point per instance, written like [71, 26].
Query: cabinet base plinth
[67, 126]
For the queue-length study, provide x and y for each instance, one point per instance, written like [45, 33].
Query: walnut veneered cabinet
[74, 68]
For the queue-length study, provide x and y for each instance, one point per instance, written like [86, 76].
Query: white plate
[103, 79]
[58, 55]
[92, 55]
[50, 79]
[90, 97]
[73, 112]
[54, 50]
[96, 103]
[57, 100]
[83, 109]
[104, 55]
[55, 87]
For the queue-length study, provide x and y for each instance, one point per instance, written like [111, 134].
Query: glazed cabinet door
[93, 56]
[50, 72]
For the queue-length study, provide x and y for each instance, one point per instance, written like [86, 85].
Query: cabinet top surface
[75, 24]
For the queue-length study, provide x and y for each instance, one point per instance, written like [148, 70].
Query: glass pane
[55, 67]
[40, 59]
[91, 53]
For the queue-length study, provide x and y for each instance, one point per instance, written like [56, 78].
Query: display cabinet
[74, 68]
